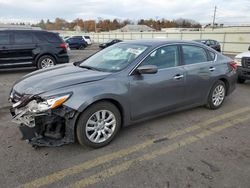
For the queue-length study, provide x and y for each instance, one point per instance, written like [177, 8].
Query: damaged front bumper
[53, 127]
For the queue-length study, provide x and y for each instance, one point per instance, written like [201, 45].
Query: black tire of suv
[210, 103]
[82, 47]
[84, 117]
[39, 62]
[241, 80]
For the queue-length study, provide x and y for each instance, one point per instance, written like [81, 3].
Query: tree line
[109, 25]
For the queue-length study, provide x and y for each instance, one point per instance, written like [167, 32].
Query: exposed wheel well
[226, 84]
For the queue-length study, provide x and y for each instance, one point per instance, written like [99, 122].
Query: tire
[241, 80]
[95, 128]
[81, 47]
[45, 59]
[215, 101]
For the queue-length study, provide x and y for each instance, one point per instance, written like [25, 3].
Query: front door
[162, 91]
[5, 44]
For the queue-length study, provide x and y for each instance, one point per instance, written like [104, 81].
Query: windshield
[114, 58]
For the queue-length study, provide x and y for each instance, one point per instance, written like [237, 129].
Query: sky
[228, 11]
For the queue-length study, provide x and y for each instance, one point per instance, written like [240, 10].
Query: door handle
[178, 76]
[212, 69]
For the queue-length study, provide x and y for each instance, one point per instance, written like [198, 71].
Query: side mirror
[147, 69]
[249, 48]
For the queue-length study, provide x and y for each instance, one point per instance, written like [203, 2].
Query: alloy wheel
[218, 95]
[100, 126]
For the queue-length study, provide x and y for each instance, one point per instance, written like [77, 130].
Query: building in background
[18, 27]
[135, 28]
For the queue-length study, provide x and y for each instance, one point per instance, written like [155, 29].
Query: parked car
[109, 43]
[76, 42]
[211, 43]
[65, 38]
[87, 39]
[128, 82]
[243, 63]
[23, 48]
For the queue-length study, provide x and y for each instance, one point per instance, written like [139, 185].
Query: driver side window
[164, 57]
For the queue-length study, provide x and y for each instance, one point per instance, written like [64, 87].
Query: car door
[154, 93]
[22, 48]
[5, 43]
[199, 70]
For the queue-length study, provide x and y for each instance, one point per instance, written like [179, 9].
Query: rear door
[5, 43]
[199, 73]
[160, 92]
[21, 51]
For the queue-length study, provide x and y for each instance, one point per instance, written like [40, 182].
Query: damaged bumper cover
[42, 125]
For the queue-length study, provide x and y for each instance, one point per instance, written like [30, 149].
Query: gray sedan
[90, 101]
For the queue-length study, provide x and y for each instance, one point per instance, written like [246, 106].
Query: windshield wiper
[89, 67]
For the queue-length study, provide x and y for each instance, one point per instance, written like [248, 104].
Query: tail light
[233, 65]
[64, 46]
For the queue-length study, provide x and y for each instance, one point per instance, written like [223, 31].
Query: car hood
[244, 54]
[56, 77]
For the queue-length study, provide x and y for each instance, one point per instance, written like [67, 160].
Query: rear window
[4, 38]
[212, 55]
[23, 38]
[193, 54]
[86, 37]
[50, 37]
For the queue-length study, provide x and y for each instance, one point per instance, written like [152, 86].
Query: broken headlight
[48, 103]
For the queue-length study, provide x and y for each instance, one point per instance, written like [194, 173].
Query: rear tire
[45, 61]
[81, 47]
[241, 80]
[98, 125]
[217, 95]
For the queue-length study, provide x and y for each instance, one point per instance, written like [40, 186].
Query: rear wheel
[217, 95]
[98, 125]
[45, 61]
[241, 80]
[81, 47]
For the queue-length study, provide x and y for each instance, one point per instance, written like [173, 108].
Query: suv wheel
[217, 95]
[98, 125]
[81, 47]
[241, 80]
[45, 61]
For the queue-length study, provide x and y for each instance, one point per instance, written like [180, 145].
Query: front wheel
[217, 95]
[98, 125]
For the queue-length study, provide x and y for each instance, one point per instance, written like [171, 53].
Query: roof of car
[157, 42]
[25, 30]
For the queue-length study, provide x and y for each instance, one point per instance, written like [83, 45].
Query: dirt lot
[193, 148]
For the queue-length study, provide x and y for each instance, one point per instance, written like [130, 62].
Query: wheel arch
[111, 100]
[44, 54]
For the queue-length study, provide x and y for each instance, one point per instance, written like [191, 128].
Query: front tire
[98, 125]
[217, 95]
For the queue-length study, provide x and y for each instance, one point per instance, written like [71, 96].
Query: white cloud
[199, 10]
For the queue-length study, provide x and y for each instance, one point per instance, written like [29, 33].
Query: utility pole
[214, 17]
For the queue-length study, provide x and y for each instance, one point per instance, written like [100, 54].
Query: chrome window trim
[215, 59]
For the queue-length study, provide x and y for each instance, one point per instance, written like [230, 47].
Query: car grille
[246, 62]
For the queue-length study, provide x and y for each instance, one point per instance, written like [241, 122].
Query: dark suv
[76, 42]
[24, 48]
